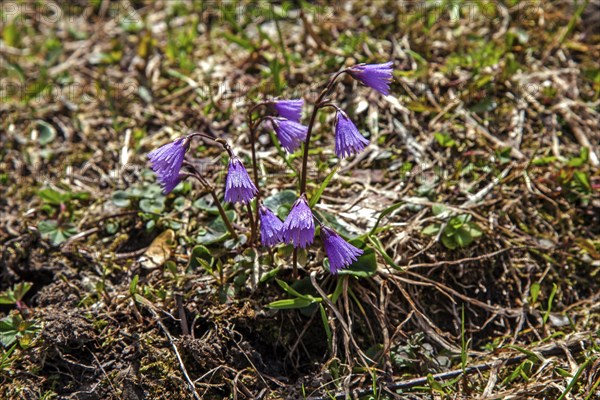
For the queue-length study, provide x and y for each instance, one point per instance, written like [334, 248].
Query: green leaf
[487, 104]
[438, 209]
[10, 34]
[317, 195]
[5, 359]
[449, 242]
[131, 24]
[459, 232]
[202, 204]
[13, 328]
[376, 243]
[133, 285]
[534, 292]
[275, 68]
[21, 289]
[291, 291]
[332, 221]
[120, 198]
[179, 203]
[232, 244]
[290, 303]
[326, 326]
[138, 298]
[550, 300]
[245, 43]
[151, 191]
[583, 367]
[339, 287]
[79, 196]
[206, 238]
[584, 154]
[46, 132]
[540, 161]
[271, 274]
[474, 230]
[51, 196]
[175, 225]
[8, 332]
[383, 214]
[463, 238]
[200, 256]
[434, 385]
[216, 230]
[218, 225]
[563, 373]
[583, 179]
[280, 203]
[532, 356]
[504, 155]
[11, 296]
[150, 225]
[444, 139]
[17, 69]
[112, 227]
[50, 230]
[431, 230]
[153, 205]
[364, 267]
[458, 221]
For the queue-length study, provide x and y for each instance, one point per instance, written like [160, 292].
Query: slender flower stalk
[321, 101]
[253, 222]
[196, 175]
[341, 254]
[238, 185]
[252, 126]
[376, 76]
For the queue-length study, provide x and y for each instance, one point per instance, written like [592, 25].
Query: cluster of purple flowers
[167, 160]
[348, 140]
[298, 228]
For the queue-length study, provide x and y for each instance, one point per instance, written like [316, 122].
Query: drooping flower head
[340, 253]
[348, 139]
[375, 76]
[166, 162]
[289, 109]
[299, 227]
[270, 227]
[290, 134]
[238, 185]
